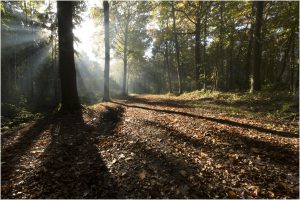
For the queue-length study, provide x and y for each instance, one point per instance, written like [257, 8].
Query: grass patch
[276, 104]
[12, 115]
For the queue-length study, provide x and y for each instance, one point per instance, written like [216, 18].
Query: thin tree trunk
[56, 83]
[197, 51]
[69, 95]
[15, 62]
[249, 51]
[124, 91]
[106, 96]
[292, 67]
[230, 65]
[255, 77]
[220, 77]
[177, 50]
[31, 68]
[204, 50]
[168, 67]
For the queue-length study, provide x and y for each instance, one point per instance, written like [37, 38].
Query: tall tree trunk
[107, 53]
[168, 62]
[15, 62]
[249, 51]
[255, 76]
[69, 95]
[292, 67]
[220, 71]
[124, 91]
[197, 51]
[56, 83]
[168, 67]
[204, 49]
[230, 63]
[177, 50]
[31, 68]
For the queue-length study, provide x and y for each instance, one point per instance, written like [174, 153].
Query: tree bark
[197, 51]
[204, 50]
[249, 51]
[229, 84]
[168, 67]
[292, 67]
[106, 96]
[124, 91]
[177, 50]
[69, 95]
[31, 68]
[220, 73]
[255, 76]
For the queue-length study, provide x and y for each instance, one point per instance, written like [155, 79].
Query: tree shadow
[11, 155]
[163, 175]
[71, 165]
[221, 121]
[270, 158]
[165, 102]
[277, 154]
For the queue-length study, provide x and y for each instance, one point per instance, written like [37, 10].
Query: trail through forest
[147, 147]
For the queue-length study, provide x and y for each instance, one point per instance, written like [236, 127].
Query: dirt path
[150, 148]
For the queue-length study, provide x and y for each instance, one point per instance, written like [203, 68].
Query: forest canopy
[155, 47]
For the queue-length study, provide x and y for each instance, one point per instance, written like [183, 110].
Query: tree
[107, 51]
[220, 70]
[69, 95]
[255, 76]
[179, 73]
[204, 46]
[249, 49]
[129, 32]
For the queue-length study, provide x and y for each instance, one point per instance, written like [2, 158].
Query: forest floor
[154, 146]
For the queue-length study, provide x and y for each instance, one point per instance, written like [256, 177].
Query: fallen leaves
[142, 174]
[232, 195]
[183, 172]
[147, 153]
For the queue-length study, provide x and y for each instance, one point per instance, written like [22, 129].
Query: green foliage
[276, 104]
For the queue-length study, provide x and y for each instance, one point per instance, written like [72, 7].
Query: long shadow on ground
[221, 121]
[11, 155]
[71, 166]
[270, 154]
[166, 102]
[165, 170]
[275, 154]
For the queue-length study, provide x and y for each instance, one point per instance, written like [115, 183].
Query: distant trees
[107, 51]
[129, 35]
[224, 45]
[165, 47]
[69, 95]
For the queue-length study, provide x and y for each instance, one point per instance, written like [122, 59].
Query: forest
[149, 99]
